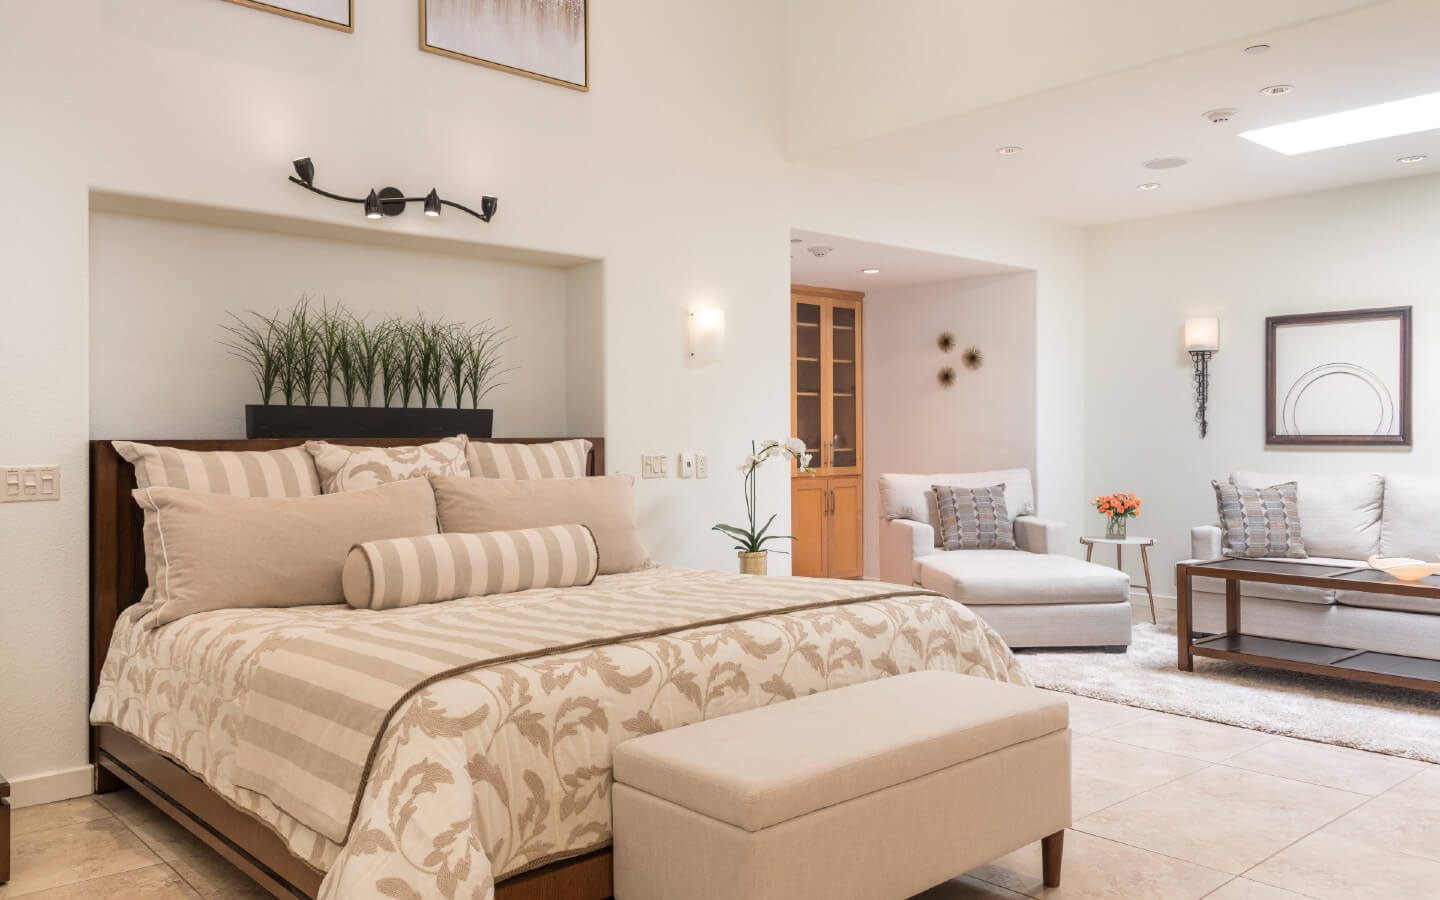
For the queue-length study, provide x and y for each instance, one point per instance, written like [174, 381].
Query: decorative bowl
[1404, 569]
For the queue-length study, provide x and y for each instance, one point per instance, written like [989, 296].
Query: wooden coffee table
[1298, 656]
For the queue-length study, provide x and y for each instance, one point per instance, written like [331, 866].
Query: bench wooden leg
[1052, 849]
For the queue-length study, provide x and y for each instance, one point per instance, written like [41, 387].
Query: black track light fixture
[390, 201]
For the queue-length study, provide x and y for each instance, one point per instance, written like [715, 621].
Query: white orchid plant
[753, 539]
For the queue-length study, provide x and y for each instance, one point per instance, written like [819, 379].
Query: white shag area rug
[1395, 721]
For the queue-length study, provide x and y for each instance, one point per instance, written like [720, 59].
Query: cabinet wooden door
[845, 527]
[808, 506]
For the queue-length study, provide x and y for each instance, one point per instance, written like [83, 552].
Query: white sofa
[1037, 596]
[1344, 519]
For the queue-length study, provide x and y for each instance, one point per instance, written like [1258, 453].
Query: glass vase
[1115, 528]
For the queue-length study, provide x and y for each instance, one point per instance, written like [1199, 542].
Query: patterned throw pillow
[1260, 522]
[345, 468]
[557, 459]
[974, 518]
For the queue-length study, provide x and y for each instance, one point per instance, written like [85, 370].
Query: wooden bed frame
[117, 580]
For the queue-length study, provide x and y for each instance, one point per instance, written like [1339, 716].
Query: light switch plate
[687, 465]
[653, 465]
[702, 465]
[24, 484]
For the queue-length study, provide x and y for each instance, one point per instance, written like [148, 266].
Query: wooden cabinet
[827, 412]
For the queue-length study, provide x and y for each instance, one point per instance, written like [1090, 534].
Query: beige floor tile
[212, 877]
[1405, 818]
[1330, 867]
[1187, 737]
[56, 815]
[1245, 889]
[1223, 818]
[1088, 715]
[73, 853]
[151, 883]
[1106, 772]
[1328, 765]
[967, 888]
[1097, 869]
[161, 833]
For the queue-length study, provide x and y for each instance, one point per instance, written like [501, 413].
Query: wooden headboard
[117, 553]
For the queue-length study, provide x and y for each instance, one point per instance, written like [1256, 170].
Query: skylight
[1354, 126]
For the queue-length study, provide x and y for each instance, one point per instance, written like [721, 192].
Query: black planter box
[364, 422]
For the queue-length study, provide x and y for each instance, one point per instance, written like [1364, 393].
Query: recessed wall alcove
[165, 276]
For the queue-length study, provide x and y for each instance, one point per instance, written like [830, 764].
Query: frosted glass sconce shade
[707, 334]
[1202, 334]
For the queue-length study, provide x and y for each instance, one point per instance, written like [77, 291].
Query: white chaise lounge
[872, 792]
[1038, 596]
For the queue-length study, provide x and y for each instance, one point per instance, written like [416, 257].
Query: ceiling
[899, 266]
[1084, 142]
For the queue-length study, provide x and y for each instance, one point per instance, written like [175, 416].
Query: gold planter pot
[753, 563]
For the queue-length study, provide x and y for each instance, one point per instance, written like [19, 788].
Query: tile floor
[1166, 808]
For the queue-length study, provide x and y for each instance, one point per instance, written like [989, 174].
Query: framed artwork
[543, 39]
[337, 14]
[1338, 378]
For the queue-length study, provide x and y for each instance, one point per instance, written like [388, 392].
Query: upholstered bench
[874, 791]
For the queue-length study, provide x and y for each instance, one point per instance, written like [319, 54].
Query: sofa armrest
[1039, 535]
[1205, 542]
[902, 541]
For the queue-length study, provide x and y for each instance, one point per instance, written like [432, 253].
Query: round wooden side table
[1144, 543]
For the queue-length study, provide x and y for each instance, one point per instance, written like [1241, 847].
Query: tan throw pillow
[408, 571]
[220, 552]
[603, 504]
[238, 473]
[1260, 523]
[974, 518]
[346, 468]
[558, 459]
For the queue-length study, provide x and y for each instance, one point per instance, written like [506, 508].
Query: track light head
[432, 203]
[305, 169]
[372, 205]
[488, 205]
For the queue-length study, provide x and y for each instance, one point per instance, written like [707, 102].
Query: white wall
[671, 170]
[160, 290]
[912, 424]
[1367, 246]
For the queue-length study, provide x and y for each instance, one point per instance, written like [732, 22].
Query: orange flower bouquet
[1117, 508]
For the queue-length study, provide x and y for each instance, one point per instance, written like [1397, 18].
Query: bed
[492, 775]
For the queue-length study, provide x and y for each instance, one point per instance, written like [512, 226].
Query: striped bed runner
[320, 701]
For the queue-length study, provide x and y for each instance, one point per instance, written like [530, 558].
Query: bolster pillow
[407, 571]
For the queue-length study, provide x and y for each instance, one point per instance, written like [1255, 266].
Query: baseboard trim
[1162, 601]
[33, 790]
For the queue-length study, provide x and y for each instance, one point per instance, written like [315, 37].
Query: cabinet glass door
[843, 364]
[807, 376]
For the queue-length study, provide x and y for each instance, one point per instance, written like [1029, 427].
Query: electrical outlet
[702, 465]
[687, 465]
[653, 465]
[22, 484]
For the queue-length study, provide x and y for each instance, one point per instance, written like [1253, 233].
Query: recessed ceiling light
[1149, 186]
[869, 271]
[1419, 157]
[1254, 49]
[1276, 90]
[1008, 151]
[1353, 126]
[1165, 162]
[795, 240]
[819, 252]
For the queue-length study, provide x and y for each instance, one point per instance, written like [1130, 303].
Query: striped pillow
[238, 473]
[1260, 523]
[974, 518]
[409, 571]
[558, 459]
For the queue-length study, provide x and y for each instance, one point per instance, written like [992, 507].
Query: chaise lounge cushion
[913, 496]
[1010, 577]
[1339, 514]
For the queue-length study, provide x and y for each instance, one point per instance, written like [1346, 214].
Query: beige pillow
[406, 571]
[345, 468]
[603, 504]
[557, 459]
[221, 552]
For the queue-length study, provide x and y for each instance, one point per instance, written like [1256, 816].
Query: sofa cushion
[974, 518]
[913, 497]
[1011, 577]
[1392, 602]
[1339, 514]
[1260, 523]
[1410, 525]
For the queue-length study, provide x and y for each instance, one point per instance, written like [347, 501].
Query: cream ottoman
[875, 791]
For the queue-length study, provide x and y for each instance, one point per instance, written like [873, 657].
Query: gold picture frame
[426, 46]
[347, 26]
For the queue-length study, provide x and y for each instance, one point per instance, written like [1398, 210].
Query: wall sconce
[707, 334]
[1202, 339]
[389, 201]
